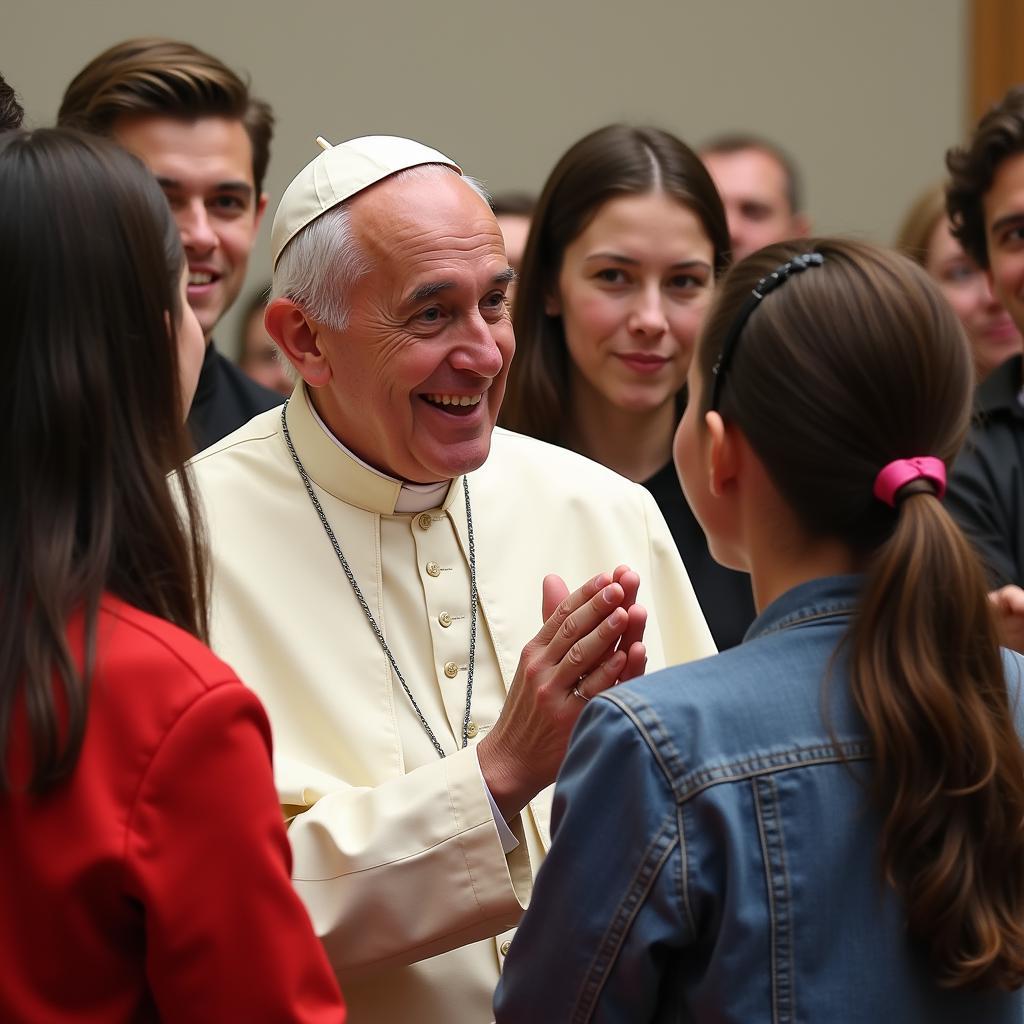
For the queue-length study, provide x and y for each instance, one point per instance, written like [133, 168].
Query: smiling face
[991, 332]
[417, 375]
[632, 292]
[205, 170]
[1004, 233]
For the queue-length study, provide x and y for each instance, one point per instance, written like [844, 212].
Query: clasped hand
[591, 640]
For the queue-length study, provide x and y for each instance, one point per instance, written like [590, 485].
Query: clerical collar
[411, 497]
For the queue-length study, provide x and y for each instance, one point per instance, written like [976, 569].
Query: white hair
[322, 263]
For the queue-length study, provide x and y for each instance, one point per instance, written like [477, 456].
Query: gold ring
[582, 696]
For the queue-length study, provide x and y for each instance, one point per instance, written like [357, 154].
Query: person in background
[827, 822]
[144, 868]
[985, 203]
[925, 237]
[514, 211]
[11, 113]
[761, 189]
[258, 354]
[627, 242]
[194, 124]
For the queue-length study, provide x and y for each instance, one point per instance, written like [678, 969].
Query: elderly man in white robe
[388, 577]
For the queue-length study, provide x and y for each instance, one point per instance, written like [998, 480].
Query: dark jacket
[225, 399]
[986, 488]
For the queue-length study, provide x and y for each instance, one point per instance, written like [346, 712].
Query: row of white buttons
[451, 670]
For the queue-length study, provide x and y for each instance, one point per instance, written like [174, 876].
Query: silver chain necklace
[366, 608]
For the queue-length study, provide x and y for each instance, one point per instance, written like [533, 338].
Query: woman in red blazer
[144, 866]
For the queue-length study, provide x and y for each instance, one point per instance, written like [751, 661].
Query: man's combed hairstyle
[92, 416]
[618, 160]
[319, 266]
[11, 113]
[843, 369]
[165, 78]
[738, 142]
[999, 134]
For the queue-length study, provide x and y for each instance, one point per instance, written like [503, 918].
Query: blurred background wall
[866, 96]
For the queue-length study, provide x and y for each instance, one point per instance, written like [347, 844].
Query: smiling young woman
[627, 242]
[925, 237]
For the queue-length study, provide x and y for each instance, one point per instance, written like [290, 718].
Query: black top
[225, 399]
[725, 596]
[986, 487]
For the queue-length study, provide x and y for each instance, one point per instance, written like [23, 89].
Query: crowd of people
[597, 607]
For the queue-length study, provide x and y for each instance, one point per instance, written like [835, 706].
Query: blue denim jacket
[715, 857]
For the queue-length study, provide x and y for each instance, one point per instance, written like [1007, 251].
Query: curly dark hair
[11, 113]
[999, 134]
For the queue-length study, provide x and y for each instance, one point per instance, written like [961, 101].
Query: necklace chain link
[366, 608]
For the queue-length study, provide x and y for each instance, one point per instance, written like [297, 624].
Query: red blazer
[154, 883]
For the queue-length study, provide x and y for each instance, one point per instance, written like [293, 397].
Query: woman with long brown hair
[625, 246]
[925, 237]
[144, 868]
[827, 822]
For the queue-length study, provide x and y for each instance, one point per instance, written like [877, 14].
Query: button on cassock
[451, 670]
[433, 569]
[471, 730]
[445, 619]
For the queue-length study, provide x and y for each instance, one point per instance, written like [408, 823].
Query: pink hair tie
[900, 472]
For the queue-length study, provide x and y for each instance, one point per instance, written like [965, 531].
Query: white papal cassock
[396, 853]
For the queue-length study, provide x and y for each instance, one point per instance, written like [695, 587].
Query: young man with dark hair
[11, 114]
[192, 121]
[985, 201]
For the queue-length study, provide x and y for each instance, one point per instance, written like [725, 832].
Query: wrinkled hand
[556, 591]
[590, 640]
[1008, 607]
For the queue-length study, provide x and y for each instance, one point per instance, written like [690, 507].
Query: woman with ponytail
[825, 823]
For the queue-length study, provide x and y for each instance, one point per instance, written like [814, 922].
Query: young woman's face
[632, 292]
[191, 344]
[988, 326]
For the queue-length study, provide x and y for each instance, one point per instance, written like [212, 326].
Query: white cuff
[505, 834]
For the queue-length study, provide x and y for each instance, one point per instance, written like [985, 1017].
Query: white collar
[413, 497]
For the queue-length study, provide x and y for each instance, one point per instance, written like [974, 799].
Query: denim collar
[823, 598]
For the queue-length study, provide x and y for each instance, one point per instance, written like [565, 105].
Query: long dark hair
[839, 371]
[91, 413]
[614, 161]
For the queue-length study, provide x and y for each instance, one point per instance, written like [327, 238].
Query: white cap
[340, 172]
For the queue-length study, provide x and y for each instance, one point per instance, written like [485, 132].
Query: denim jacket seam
[644, 877]
[755, 766]
[656, 745]
[684, 872]
[773, 852]
[803, 616]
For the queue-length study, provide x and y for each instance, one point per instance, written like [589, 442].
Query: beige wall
[866, 95]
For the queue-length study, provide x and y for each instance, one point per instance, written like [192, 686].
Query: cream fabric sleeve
[405, 870]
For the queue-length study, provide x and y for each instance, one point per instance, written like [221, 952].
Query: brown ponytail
[843, 369]
[928, 678]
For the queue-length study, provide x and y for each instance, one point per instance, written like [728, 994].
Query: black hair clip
[761, 289]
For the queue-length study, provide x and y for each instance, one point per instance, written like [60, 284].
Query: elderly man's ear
[298, 340]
